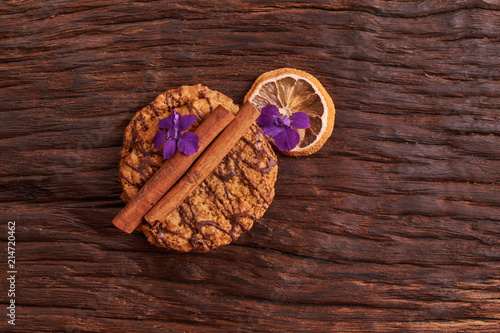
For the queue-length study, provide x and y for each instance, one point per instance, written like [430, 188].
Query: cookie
[226, 204]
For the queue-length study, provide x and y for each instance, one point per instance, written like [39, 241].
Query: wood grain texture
[393, 226]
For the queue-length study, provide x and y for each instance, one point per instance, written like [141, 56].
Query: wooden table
[393, 226]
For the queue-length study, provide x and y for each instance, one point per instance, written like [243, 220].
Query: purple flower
[280, 127]
[171, 138]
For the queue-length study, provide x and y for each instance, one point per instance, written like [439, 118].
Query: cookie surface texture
[226, 204]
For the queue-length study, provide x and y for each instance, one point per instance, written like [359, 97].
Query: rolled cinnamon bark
[170, 172]
[205, 164]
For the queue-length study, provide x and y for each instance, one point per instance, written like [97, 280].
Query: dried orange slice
[293, 90]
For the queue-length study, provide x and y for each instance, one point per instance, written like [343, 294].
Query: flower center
[283, 121]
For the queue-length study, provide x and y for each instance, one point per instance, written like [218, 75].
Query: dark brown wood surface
[393, 226]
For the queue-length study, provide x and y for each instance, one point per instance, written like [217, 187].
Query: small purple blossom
[280, 127]
[171, 138]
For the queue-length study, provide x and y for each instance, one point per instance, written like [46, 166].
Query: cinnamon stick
[205, 164]
[170, 172]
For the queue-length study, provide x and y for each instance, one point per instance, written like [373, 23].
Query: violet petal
[271, 110]
[186, 121]
[300, 120]
[189, 143]
[265, 119]
[167, 122]
[169, 148]
[271, 130]
[159, 138]
[287, 139]
[268, 115]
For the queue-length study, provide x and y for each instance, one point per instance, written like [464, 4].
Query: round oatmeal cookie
[226, 204]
